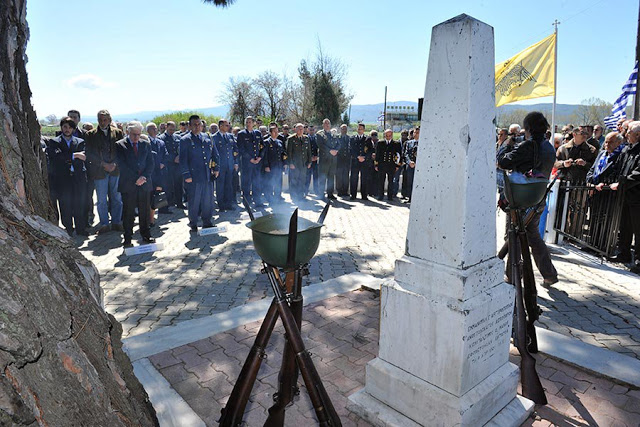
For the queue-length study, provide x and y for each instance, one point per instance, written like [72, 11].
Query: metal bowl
[525, 195]
[271, 236]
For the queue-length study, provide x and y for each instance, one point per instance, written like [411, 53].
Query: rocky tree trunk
[61, 358]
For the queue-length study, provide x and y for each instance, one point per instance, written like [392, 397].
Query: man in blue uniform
[160, 166]
[251, 147]
[274, 161]
[68, 177]
[343, 163]
[199, 164]
[228, 151]
[174, 173]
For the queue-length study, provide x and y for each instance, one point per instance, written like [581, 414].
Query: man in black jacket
[388, 158]
[68, 177]
[534, 153]
[629, 180]
[135, 160]
[361, 161]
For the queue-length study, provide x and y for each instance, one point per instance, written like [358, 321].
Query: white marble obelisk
[446, 318]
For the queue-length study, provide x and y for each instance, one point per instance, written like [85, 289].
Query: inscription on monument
[485, 335]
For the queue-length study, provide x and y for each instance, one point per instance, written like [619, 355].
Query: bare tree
[241, 97]
[592, 112]
[272, 92]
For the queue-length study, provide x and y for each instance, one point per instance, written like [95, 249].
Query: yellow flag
[529, 74]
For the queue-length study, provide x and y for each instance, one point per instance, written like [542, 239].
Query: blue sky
[136, 55]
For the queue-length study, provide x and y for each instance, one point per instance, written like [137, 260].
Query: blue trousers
[200, 203]
[109, 187]
[251, 185]
[273, 187]
[224, 189]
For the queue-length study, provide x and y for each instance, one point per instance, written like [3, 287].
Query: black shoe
[331, 197]
[148, 239]
[117, 227]
[152, 224]
[84, 233]
[104, 229]
[193, 229]
[380, 198]
[127, 244]
[635, 269]
[624, 259]
[391, 199]
[164, 210]
[181, 206]
[208, 226]
[352, 197]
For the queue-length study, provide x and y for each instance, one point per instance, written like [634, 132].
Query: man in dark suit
[274, 161]
[344, 162]
[388, 154]
[629, 181]
[199, 162]
[135, 160]
[328, 146]
[361, 161]
[68, 177]
[103, 170]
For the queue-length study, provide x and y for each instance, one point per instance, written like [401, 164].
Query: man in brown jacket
[103, 170]
[576, 157]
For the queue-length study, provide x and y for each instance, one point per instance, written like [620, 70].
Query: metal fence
[588, 217]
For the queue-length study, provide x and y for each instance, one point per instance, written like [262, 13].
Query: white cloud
[88, 81]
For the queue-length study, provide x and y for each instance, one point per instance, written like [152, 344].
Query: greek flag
[618, 111]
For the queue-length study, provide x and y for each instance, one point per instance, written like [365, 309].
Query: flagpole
[555, 83]
[636, 103]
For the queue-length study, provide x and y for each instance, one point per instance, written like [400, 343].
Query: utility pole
[384, 112]
[636, 104]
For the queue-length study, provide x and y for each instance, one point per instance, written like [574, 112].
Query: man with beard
[68, 177]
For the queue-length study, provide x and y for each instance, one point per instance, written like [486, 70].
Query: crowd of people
[134, 168]
[585, 156]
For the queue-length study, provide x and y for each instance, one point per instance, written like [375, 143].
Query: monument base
[394, 397]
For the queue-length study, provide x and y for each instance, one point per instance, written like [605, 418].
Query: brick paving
[342, 335]
[198, 276]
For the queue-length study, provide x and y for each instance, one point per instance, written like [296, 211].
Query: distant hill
[367, 113]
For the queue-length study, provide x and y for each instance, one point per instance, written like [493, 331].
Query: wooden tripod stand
[287, 305]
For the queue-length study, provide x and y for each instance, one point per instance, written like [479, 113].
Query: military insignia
[366, 149]
[284, 157]
[235, 154]
[212, 164]
[261, 146]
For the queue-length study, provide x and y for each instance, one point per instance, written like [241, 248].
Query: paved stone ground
[198, 276]
[342, 335]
